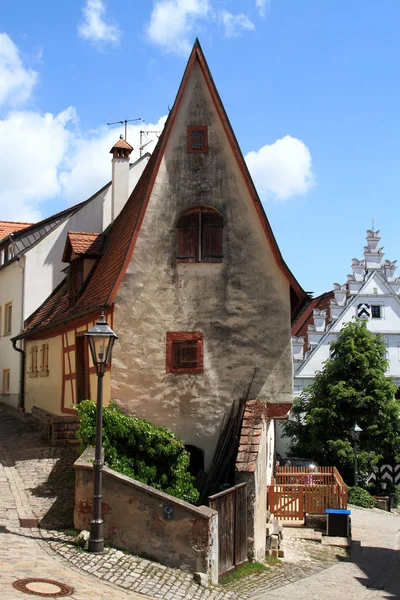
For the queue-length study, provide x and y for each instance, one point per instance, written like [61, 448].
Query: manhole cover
[47, 588]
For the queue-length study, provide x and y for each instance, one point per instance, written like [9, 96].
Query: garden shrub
[138, 449]
[360, 497]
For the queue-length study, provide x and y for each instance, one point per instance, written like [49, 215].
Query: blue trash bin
[338, 522]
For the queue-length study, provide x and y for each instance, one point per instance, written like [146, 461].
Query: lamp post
[355, 436]
[101, 340]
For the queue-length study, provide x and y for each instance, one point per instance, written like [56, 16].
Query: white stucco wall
[11, 286]
[241, 305]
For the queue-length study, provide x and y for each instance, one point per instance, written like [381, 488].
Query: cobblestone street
[37, 482]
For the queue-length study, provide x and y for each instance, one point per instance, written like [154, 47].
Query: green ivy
[138, 449]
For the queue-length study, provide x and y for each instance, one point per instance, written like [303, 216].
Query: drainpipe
[21, 403]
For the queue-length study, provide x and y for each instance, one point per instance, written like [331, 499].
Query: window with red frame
[199, 236]
[184, 352]
[197, 139]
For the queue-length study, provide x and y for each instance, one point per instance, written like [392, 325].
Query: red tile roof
[249, 443]
[300, 326]
[8, 227]
[122, 144]
[100, 289]
[81, 242]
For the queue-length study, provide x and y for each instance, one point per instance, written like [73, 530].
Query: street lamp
[101, 340]
[355, 436]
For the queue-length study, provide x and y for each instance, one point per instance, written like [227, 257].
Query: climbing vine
[138, 449]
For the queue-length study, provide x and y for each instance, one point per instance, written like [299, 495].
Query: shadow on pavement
[46, 471]
[381, 567]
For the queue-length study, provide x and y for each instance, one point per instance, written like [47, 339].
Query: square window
[184, 352]
[197, 139]
[376, 311]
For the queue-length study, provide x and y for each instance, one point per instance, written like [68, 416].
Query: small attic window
[197, 139]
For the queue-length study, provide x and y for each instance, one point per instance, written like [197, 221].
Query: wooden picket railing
[300, 490]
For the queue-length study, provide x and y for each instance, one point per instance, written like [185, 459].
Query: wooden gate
[231, 506]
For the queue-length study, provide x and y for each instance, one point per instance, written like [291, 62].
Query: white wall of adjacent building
[30, 280]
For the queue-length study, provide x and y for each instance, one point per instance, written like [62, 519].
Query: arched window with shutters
[199, 236]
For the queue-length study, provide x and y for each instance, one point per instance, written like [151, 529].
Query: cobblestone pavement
[36, 480]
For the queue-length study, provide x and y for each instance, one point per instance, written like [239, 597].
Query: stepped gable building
[192, 281]
[371, 292]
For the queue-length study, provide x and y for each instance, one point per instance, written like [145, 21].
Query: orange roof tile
[122, 144]
[250, 435]
[82, 242]
[8, 227]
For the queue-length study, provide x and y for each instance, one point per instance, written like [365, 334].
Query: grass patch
[243, 571]
[272, 561]
[71, 532]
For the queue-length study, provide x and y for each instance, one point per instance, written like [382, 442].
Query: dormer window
[197, 139]
[81, 251]
[199, 236]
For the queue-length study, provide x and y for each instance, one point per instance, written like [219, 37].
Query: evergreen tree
[351, 388]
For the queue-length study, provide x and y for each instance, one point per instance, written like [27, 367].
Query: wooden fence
[300, 490]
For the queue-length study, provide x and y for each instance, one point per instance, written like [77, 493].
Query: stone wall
[59, 430]
[149, 522]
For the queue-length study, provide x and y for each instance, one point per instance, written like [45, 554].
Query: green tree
[351, 388]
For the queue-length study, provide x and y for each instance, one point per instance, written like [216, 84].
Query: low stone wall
[148, 522]
[59, 430]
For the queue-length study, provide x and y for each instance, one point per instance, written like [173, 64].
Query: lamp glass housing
[355, 432]
[101, 340]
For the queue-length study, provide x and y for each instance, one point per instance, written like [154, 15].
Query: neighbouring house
[191, 279]
[371, 292]
[31, 264]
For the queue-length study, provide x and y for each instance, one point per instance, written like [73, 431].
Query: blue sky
[311, 87]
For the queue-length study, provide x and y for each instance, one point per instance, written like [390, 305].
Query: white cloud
[29, 172]
[94, 27]
[16, 81]
[262, 6]
[282, 169]
[87, 167]
[172, 23]
[235, 24]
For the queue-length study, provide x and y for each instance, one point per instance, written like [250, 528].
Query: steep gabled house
[31, 260]
[371, 292]
[192, 281]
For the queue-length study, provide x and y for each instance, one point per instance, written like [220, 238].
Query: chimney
[120, 176]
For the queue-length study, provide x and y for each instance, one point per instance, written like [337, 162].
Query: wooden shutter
[211, 238]
[184, 354]
[188, 237]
